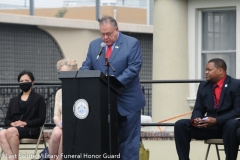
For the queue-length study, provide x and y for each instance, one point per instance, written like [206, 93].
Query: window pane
[217, 42]
[209, 16]
[219, 27]
[217, 22]
[223, 43]
[219, 34]
[224, 28]
[229, 58]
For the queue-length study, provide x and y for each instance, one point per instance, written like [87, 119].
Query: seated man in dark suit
[217, 105]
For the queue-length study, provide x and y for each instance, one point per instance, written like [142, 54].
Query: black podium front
[88, 137]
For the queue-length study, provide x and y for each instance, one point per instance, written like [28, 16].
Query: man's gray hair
[108, 19]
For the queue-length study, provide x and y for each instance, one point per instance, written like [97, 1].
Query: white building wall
[72, 36]
[195, 8]
[170, 58]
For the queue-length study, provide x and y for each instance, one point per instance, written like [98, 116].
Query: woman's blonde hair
[71, 64]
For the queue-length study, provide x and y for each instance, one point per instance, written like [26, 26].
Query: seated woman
[55, 143]
[25, 115]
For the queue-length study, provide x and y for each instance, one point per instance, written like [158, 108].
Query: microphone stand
[108, 64]
[74, 125]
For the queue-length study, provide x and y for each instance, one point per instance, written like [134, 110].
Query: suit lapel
[117, 47]
[115, 51]
[224, 88]
[15, 104]
[102, 60]
[31, 101]
[210, 94]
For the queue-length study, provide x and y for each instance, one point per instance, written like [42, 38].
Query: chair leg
[209, 145]
[35, 152]
[39, 138]
[44, 142]
[217, 151]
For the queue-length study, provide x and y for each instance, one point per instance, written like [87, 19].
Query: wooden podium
[88, 138]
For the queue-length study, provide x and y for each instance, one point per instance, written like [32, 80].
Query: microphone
[100, 51]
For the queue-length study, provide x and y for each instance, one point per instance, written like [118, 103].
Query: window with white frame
[219, 38]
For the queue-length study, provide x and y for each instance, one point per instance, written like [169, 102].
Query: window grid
[219, 38]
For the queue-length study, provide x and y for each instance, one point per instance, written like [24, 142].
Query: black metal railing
[10, 90]
[147, 110]
[161, 82]
[49, 89]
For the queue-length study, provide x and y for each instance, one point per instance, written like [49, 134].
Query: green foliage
[61, 13]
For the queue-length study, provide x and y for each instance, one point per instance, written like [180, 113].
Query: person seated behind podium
[55, 143]
[220, 104]
[25, 115]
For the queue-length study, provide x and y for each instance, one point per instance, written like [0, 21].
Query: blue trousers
[129, 136]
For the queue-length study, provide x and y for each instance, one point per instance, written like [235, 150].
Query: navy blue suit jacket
[126, 59]
[229, 105]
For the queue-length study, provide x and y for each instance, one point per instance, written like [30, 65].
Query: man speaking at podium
[124, 55]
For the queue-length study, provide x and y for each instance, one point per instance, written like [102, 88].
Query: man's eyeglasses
[107, 34]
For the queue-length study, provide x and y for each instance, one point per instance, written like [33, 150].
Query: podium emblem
[81, 109]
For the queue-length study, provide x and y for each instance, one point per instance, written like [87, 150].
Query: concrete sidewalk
[159, 150]
[165, 150]
[27, 154]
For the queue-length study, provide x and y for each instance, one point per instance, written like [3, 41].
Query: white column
[170, 58]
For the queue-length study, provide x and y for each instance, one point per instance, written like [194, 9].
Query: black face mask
[25, 86]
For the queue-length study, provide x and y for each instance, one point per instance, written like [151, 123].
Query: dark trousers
[184, 132]
[129, 136]
[238, 134]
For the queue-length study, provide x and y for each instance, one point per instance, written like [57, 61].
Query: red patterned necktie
[109, 52]
[215, 105]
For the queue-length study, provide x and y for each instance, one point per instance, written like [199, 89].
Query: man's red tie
[215, 105]
[109, 52]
